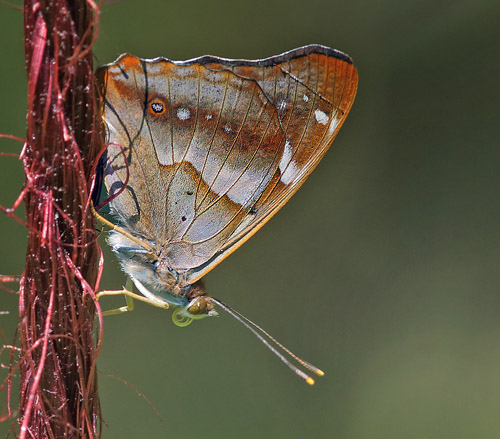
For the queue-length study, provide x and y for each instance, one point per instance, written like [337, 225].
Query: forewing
[312, 90]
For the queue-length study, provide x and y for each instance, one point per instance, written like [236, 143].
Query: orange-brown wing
[207, 150]
[191, 150]
[312, 89]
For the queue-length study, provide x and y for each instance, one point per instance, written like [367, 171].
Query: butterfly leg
[129, 297]
[118, 229]
[147, 296]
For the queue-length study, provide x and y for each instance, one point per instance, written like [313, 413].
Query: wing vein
[225, 160]
[197, 204]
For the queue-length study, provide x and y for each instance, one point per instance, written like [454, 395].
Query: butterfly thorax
[155, 279]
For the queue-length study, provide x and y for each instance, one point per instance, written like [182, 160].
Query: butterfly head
[200, 305]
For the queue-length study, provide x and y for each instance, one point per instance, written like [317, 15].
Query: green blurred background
[384, 268]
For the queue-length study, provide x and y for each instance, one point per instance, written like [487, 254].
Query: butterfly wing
[203, 152]
[312, 89]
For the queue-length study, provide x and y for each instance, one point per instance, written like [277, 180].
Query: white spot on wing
[183, 113]
[208, 117]
[287, 166]
[305, 98]
[282, 104]
[227, 128]
[321, 117]
[333, 124]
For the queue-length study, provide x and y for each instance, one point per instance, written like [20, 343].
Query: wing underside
[234, 140]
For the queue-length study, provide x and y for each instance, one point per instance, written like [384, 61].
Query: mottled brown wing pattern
[212, 147]
[312, 89]
[201, 147]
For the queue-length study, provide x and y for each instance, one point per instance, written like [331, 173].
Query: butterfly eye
[157, 107]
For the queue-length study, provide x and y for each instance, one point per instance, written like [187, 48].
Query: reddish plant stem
[58, 352]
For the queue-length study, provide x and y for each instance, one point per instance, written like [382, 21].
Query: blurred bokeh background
[383, 269]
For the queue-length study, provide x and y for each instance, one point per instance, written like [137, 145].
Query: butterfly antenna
[255, 328]
[299, 360]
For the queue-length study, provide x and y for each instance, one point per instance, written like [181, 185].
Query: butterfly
[202, 153]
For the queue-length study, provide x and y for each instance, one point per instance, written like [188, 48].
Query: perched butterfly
[202, 153]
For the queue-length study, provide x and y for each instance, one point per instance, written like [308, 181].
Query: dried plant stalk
[58, 352]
